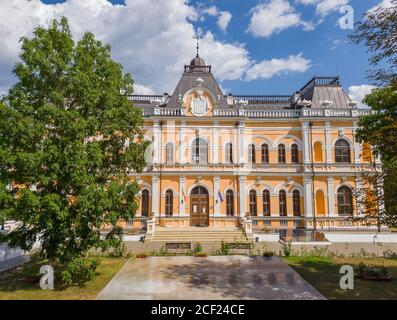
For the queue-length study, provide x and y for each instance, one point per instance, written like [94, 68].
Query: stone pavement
[213, 278]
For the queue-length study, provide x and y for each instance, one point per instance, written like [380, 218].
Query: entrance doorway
[199, 205]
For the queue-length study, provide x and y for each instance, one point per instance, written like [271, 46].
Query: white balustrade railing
[266, 113]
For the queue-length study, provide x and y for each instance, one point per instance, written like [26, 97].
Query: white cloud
[325, 7]
[269, 68]
[224, 20]
[357, 93]
[272, 17]
[141, 89]
[224, 17]
[152, 39]
[211, 11]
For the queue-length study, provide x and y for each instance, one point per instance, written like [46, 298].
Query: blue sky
[309, 41]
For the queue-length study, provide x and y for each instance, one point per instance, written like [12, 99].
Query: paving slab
[212, 278]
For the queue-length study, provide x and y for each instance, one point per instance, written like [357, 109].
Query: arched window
[345, 201]
[318, 151]
[169, 200]
[229, 153]
[266, 202]
[265, 153]
[145, 203]
[282, 198]
[296, 203]
[294, 153]
[229, 203]
[251, 153]
[169, 150]
[342, 151]
[281, 153]
[253, 208]
[199, 151]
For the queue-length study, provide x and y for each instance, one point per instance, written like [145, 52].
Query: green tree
[380, 130]
[378, 32]
[69, 136]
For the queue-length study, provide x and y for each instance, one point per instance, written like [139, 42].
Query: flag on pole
[220, 196]
[184, 195]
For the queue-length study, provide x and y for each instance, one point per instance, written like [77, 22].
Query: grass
[22, 283]
[323, 274]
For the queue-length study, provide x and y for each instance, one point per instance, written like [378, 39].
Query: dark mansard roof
[322, 92]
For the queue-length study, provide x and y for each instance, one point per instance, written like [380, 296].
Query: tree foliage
[69, 136]
[380, 130]
[378, 32]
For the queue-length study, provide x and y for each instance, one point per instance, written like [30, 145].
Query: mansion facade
[261, 162]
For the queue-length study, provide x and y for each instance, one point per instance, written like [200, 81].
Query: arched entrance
[199, 207]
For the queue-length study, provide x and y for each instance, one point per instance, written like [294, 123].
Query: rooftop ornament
[199, 82]
[326, 103]
[241, 102]
[160, 101]
[305, 103]
[352, 104]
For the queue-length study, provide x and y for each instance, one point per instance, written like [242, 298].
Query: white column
[242, 181]
[182, 189]
[215, 142]
[155, 196]
[357, 146]
[217, 204]
[331, 197]
[156, 141]
[308, 197]
[328, 142]
[182, 144]
[240, 148]
[306, 142]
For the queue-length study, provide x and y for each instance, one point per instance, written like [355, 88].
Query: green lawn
[323, 274]
[22, 284]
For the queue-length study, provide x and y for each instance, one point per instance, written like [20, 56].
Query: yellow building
[266, 162]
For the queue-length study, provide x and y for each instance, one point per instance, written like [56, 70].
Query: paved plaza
[214, 278]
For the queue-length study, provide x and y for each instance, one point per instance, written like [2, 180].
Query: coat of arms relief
[199, 106]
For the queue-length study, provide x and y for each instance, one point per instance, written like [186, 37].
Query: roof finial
[197, 37]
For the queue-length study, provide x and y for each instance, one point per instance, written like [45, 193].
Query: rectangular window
[229, 153]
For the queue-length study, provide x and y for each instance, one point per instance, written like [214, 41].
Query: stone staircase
[198, 234]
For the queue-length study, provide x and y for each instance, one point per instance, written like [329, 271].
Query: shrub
[224, 249]
[287, 248]
[197, 248]
[79, 270]
[374, 271]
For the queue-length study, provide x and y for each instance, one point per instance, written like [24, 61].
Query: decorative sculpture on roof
[297, 102]
[241, 102]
